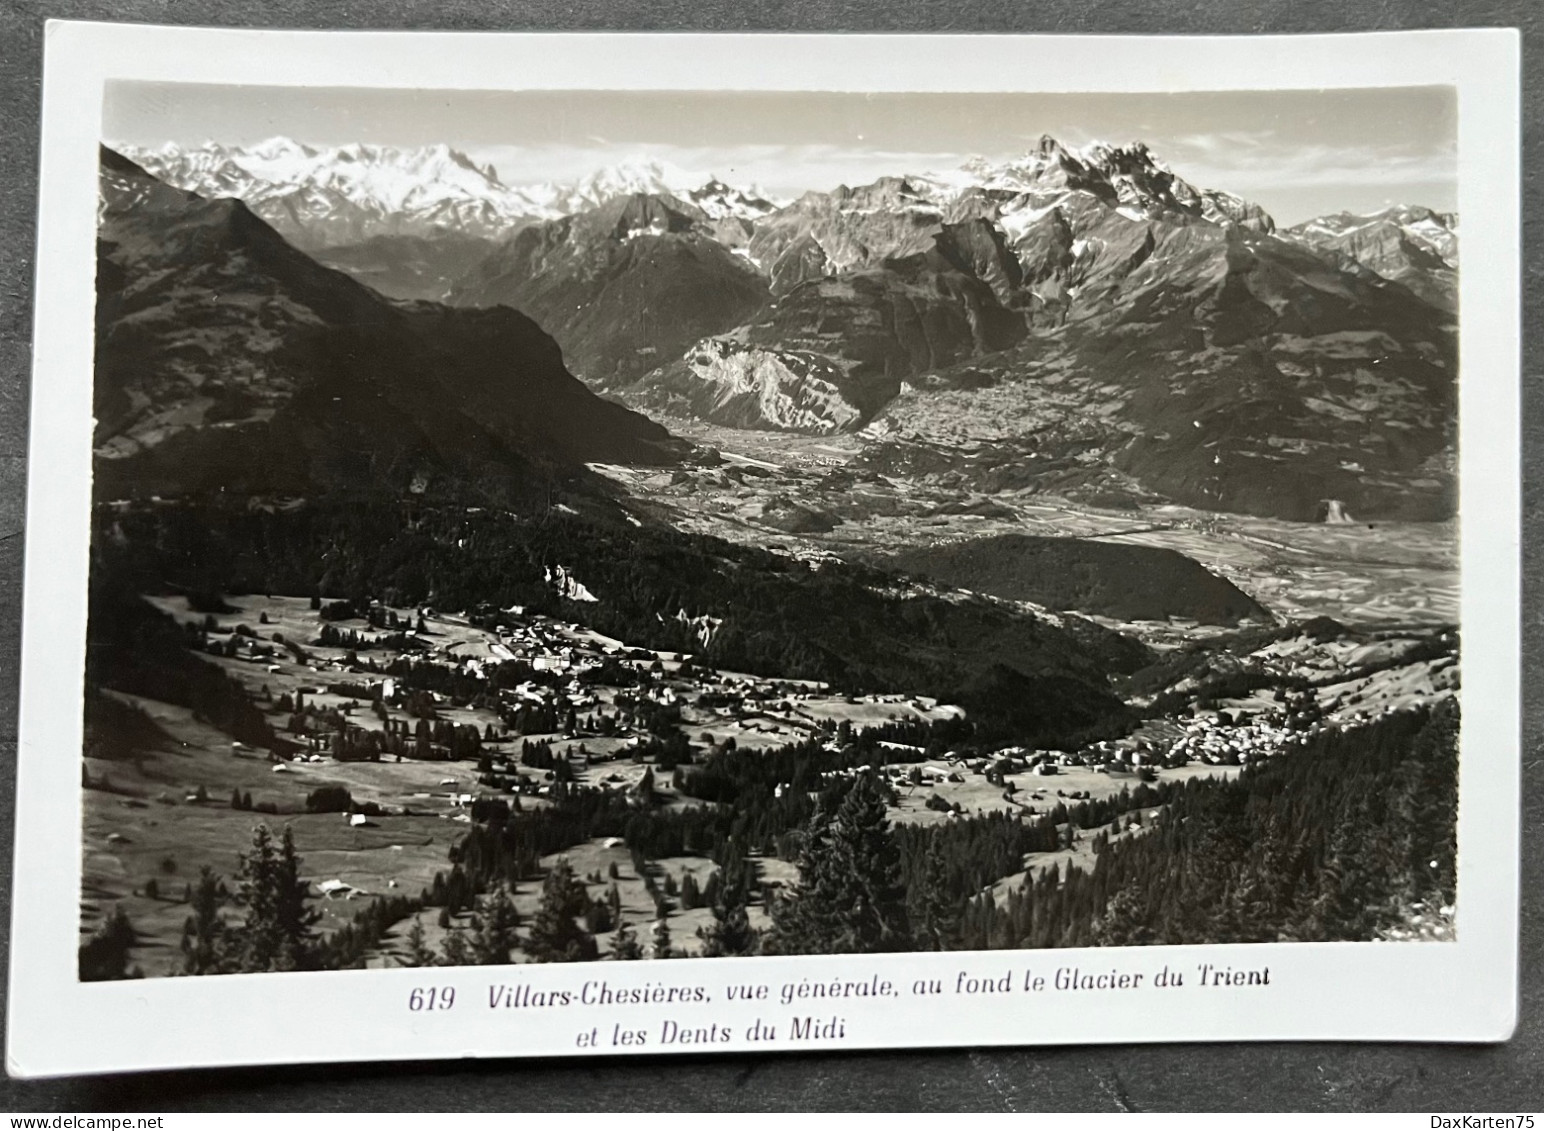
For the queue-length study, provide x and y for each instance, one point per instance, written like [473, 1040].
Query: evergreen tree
[418, 952]
[659, 945]
[934, 907]
[624, 944]
[731, 932]
[850, 898]
[204, 938]
[493, 929]
[1126, 921]
[597, 918]
[277, 933]
[691, 893]
[456, 950]
[555, 933]
[105, 955]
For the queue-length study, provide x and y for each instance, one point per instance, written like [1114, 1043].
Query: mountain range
[1079, 320]
[1413, 246]
[229, 361]
[326, 196]
[409, 221]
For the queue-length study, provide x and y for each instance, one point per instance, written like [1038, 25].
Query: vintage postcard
[613, 544]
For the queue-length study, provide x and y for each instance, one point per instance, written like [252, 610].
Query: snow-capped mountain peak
[648, 178]
[323, 196]
[1129, 177]
[272, 150]
[328, 195]
[720, 200]
[1417, 247]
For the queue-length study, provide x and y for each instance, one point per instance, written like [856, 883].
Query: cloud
[780, 169]
[1228, 141]
[1247, 162]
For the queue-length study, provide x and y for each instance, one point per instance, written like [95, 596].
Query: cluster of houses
[570, 700]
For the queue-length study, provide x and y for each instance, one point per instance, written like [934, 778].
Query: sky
[1296, 153]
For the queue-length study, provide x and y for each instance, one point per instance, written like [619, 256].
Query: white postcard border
[1459, 991]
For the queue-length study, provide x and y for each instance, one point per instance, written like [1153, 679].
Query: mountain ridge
[228, 360]
[1071, 319]
[1223, 365]
[325, 196]
[623, 285]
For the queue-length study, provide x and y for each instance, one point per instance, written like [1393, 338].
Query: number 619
[432, 997]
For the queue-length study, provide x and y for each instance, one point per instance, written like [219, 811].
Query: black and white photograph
[603, 525]
[526, 531]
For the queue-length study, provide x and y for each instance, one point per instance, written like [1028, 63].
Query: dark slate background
[1270, 1077]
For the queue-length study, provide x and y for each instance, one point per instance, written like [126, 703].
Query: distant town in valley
[1040, 553]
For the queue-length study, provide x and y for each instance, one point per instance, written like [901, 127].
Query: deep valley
[1043, 553]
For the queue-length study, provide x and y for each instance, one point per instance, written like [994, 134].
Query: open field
[155, 818]
[1357, 573]
[1033, 794]
[160, 817]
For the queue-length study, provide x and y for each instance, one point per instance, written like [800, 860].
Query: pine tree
[1125, 921]
[555, 933]
[105, 955]
[934, 909]
[493, 929]
[456, 950]
[691, 893]
[659, 944]
[204, 935]
[731, 932]
[418, 952]
[597, 918]
[277, 933]
[624, 944]
[850, 898]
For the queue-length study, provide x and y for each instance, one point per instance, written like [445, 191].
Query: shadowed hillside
[1107, 578]
[227, 360]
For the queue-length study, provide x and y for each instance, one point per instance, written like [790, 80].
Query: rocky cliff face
[729, 383]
